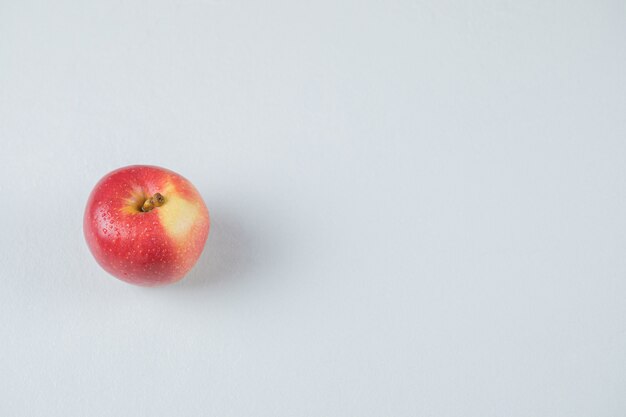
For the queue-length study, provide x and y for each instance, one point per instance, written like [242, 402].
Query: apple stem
[157, 200]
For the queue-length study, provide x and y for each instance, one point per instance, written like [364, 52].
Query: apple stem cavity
[157, 200]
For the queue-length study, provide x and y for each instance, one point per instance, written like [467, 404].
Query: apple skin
[150, 248]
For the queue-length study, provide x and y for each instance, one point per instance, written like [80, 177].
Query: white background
[419, 207]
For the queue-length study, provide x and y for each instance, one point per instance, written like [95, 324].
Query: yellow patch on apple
[177, 215]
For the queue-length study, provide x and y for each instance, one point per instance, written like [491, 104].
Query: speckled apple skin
[152, 248]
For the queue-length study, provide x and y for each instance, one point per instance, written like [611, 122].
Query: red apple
[146, 225]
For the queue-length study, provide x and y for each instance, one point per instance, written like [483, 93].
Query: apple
[146, 225]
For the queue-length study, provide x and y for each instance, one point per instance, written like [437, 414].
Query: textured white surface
[418, 207]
